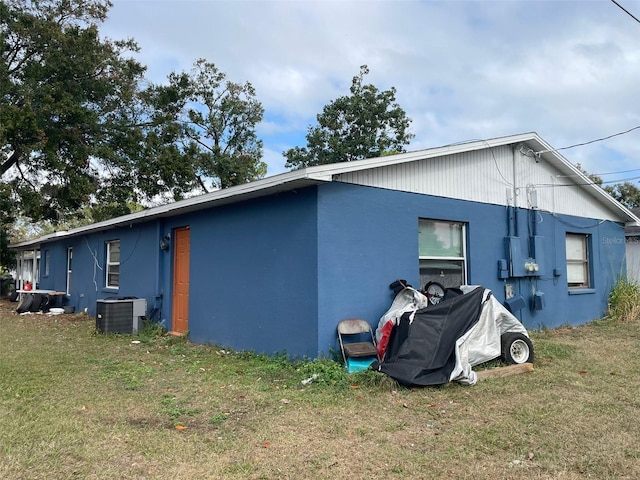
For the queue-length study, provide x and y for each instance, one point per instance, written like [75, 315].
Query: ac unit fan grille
[114, 317]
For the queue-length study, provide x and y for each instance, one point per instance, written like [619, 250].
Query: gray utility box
[121, 315]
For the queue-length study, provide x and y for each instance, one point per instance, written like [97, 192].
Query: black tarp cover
[421, 349]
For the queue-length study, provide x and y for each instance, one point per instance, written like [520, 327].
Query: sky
[462, 70]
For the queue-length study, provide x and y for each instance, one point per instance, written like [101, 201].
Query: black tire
[13, 296]
[434, 292]
[45, 303]
[36, 303]
[25, 303]
[516, 348]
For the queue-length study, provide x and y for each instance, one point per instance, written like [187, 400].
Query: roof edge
[199, 201]
[326, 173]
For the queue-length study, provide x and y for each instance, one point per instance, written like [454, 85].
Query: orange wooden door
[180, 318]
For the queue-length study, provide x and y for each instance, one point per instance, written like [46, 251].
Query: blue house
[273, 265]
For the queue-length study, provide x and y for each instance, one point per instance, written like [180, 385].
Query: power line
[609, 136]
[602, 174]
[589, 142]
[614, 173]
[584, 184]
[625, 11]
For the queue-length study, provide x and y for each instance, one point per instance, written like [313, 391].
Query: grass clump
[323, 372]
[176, 409]
[624, 301]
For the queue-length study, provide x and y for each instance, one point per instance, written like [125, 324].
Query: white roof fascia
[265, 186]
[384, 161]
[327, 173]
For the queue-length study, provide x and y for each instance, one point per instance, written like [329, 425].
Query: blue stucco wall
[139, 260]
[253, 280]
[276, 274]
[368, 237]
[57, 266]
[253, 275]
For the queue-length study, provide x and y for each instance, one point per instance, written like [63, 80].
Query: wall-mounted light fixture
[165, 242]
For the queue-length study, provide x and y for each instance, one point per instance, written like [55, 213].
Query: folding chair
[357, 344]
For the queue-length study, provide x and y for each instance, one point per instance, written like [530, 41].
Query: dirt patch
[7, 308]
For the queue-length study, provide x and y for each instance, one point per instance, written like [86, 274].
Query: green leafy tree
[68, 108]
[626, 192]
[7, 257]
[368, 123]
[210, 120]
[594, 178]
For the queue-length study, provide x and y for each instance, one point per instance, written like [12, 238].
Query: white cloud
[462, 70]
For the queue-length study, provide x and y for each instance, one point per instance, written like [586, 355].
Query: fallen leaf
[359, 398]
[433, 405]
[582, 372]
[531, 455]
[285, 400]
[265, 444]
[180, 427]
[353, 387]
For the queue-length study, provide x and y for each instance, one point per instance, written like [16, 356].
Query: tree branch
[24, 178]
[202, 185]
[200, 142]
[10, 162]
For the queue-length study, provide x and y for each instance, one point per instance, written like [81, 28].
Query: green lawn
[76, 404]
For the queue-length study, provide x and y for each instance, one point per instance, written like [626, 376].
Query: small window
[442, 252]
[578, 261]
[113, 264]
[69, 268]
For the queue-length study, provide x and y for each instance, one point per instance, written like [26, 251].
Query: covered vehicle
[440, 341]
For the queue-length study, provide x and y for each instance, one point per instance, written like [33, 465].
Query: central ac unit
[120, 315]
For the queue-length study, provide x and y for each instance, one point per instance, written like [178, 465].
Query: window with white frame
[69, 268]
[578, 261]
[113, 264]
[442, 252]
